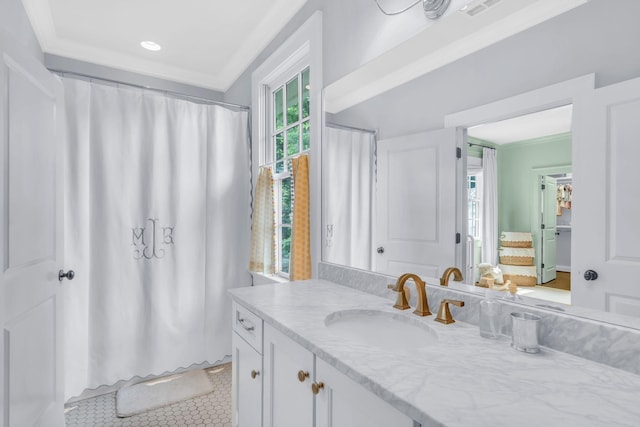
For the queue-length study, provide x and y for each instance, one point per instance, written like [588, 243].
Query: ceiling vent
[476, 7]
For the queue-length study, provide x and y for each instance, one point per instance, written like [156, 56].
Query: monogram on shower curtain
[157, 220]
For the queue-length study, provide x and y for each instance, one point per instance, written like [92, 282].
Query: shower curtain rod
[480, 145]
[167, 92]
[337, 126]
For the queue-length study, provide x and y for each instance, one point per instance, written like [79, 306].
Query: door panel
[416, 193]
[31, 132]
[287, 401]
[248, 387]
[549, 242]
[343, 403]
[606, 175]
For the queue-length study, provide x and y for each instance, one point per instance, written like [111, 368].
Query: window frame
[302, 49]
[280, 177]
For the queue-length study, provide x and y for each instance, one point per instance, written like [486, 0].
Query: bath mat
[159, 392]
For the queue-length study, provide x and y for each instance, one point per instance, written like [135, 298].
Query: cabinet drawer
[248, 326]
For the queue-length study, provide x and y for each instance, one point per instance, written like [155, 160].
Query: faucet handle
[444, 314]
[401, 300]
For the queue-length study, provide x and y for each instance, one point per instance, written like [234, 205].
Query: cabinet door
[247, 382]
[343, 403]
[288, 402]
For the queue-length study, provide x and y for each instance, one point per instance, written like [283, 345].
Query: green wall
[519, 164]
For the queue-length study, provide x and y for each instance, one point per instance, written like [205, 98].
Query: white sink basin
[381, 330]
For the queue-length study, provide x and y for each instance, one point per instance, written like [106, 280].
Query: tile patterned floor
[210, 410]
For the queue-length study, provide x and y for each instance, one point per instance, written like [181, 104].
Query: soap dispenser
[489, 318]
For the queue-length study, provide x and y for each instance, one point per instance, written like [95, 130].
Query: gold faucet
[444, 314]
[457, 276]
[422, 307]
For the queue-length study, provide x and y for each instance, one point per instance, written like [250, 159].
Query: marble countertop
[460, 380]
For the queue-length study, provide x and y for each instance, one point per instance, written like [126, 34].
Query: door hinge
[543, 265]
[542, 226]
[457, 237]
[544, 186]
[458, 153]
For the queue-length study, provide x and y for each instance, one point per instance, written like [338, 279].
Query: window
[290, 132]
[474, 214]
[286, 108]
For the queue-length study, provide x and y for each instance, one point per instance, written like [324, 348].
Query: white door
[30, 242]
[342, 402]
[548, 232]
[606, 223]
[288, 375]
[247, 379]
[416, 198]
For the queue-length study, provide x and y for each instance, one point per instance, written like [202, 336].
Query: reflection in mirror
[348, 173]
[528, 190]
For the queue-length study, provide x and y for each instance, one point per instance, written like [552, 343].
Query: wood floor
[562, 281]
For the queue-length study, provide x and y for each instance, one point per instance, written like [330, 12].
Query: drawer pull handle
[242, 323]
[302, 376]
[254, 374]
[316, 387]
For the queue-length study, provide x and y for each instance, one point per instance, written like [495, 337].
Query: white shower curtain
[348, 187]
[157, 229]
[489, 206]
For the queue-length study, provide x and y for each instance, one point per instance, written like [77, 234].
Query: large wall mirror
[396, 198]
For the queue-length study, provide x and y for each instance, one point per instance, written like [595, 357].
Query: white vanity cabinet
[342, 402]
[247, 373]
[288, 375]
[289, 382]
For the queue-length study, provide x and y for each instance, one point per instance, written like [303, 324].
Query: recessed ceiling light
[149, 45]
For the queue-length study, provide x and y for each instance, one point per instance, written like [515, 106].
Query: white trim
[303, 47]
[529, 102]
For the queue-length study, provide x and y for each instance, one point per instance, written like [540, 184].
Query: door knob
[68, 275]
[254, 374]
[380, 250]
[302, 376]
[316, 387]
[590, 275]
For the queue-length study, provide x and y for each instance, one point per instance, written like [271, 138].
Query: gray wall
[601, 36]
[354, 32]
[66, 64]
[14, 21]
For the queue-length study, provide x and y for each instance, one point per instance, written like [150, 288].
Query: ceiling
[530, 126]
[204, 43]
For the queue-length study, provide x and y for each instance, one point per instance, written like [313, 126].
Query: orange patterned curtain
[262, 231]
[300, 239]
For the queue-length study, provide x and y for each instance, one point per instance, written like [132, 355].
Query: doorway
[556, 192]
[533, 152]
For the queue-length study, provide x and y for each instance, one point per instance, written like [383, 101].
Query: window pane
[292, 101]
[279, 116]
[293, 141]
[305, 93]
[279, 146]
[286, 201]
[279, 167]
[306, 136]
[286, 249]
